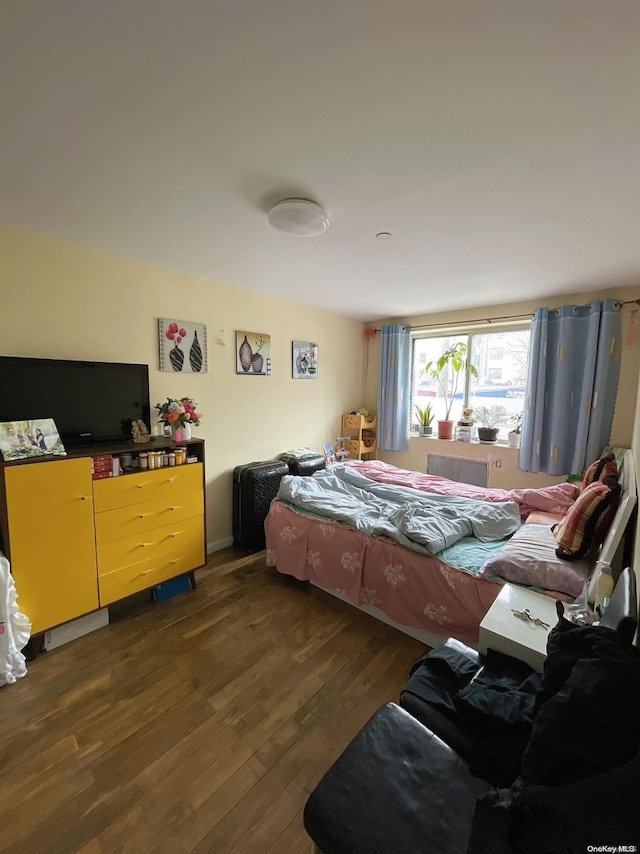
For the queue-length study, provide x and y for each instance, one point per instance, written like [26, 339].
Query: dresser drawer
[185, 538]
[110, 493]
[131, 579]
[136, 519]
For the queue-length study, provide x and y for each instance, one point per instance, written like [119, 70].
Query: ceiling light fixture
[383, 235]
[298, 216]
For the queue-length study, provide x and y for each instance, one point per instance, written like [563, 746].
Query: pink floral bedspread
[416, 590]
[549, 499]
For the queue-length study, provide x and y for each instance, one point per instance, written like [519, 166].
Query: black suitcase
[255, 485]
[304, 465]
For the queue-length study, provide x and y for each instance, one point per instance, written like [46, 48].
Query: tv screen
[90, 402]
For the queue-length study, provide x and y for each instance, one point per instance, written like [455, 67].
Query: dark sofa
[400, 787]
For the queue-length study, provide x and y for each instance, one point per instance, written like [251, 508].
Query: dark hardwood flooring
[199, 724]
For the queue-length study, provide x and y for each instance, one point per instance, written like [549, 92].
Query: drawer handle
[171, 479]
[139, 486]
[143, 545]
[172, 508]
[141, 516]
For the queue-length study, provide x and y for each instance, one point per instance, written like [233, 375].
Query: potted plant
[425, 418]
[489, 421]
[446, 371]
[515, 435]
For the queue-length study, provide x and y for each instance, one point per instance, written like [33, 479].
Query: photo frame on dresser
[21, 440]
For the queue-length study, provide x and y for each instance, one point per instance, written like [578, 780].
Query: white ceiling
[497, 140]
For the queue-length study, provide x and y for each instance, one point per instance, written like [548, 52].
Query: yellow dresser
[76, 544]
[53, 552]
[149, 527]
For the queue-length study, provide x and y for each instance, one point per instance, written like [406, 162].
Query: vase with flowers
[180, 414]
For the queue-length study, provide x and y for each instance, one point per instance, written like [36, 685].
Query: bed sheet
[445, 594]
[555, 499]
[420, 591]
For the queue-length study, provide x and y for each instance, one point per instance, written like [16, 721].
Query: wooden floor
[197, 724]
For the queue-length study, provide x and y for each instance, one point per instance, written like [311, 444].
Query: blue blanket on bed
[423, 522]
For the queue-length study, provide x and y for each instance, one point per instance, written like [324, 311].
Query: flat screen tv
[91, 402]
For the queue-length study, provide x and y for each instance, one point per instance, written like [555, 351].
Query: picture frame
[329, 453]
[253, 353]
[22, 440]
[183, 346]
[304, 357]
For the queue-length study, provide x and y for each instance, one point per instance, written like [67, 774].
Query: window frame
[469, 330]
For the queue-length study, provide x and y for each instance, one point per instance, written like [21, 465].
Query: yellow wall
[508, 475]
[61, 300]
[65, 301]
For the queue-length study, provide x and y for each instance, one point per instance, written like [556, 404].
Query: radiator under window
[459, 469]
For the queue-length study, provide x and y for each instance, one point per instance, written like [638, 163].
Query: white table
[503, 631]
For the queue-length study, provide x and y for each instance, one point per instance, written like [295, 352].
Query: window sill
[500, 443]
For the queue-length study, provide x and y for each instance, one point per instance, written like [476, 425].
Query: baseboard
[76, 628]
[218, 545]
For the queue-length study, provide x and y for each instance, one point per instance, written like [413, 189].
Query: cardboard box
[101, 460]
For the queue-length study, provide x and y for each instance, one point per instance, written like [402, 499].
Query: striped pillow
[584, 526]
[605, 469]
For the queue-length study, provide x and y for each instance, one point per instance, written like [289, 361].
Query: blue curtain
[393, 389]
[572, 382]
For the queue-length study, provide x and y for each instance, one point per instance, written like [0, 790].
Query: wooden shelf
[358, 422]
[363, 435]
[358, 448]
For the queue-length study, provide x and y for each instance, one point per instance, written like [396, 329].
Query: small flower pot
[488, 435]
[445, 429]
[426, 431]
[514, 439]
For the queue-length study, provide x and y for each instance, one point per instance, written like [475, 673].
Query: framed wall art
[21, 440]
[305, 360]
[253, 353]
[183, 346]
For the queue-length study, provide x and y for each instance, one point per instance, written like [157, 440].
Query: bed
[419, 551]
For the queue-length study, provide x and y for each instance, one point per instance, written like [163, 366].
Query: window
[501, 361]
